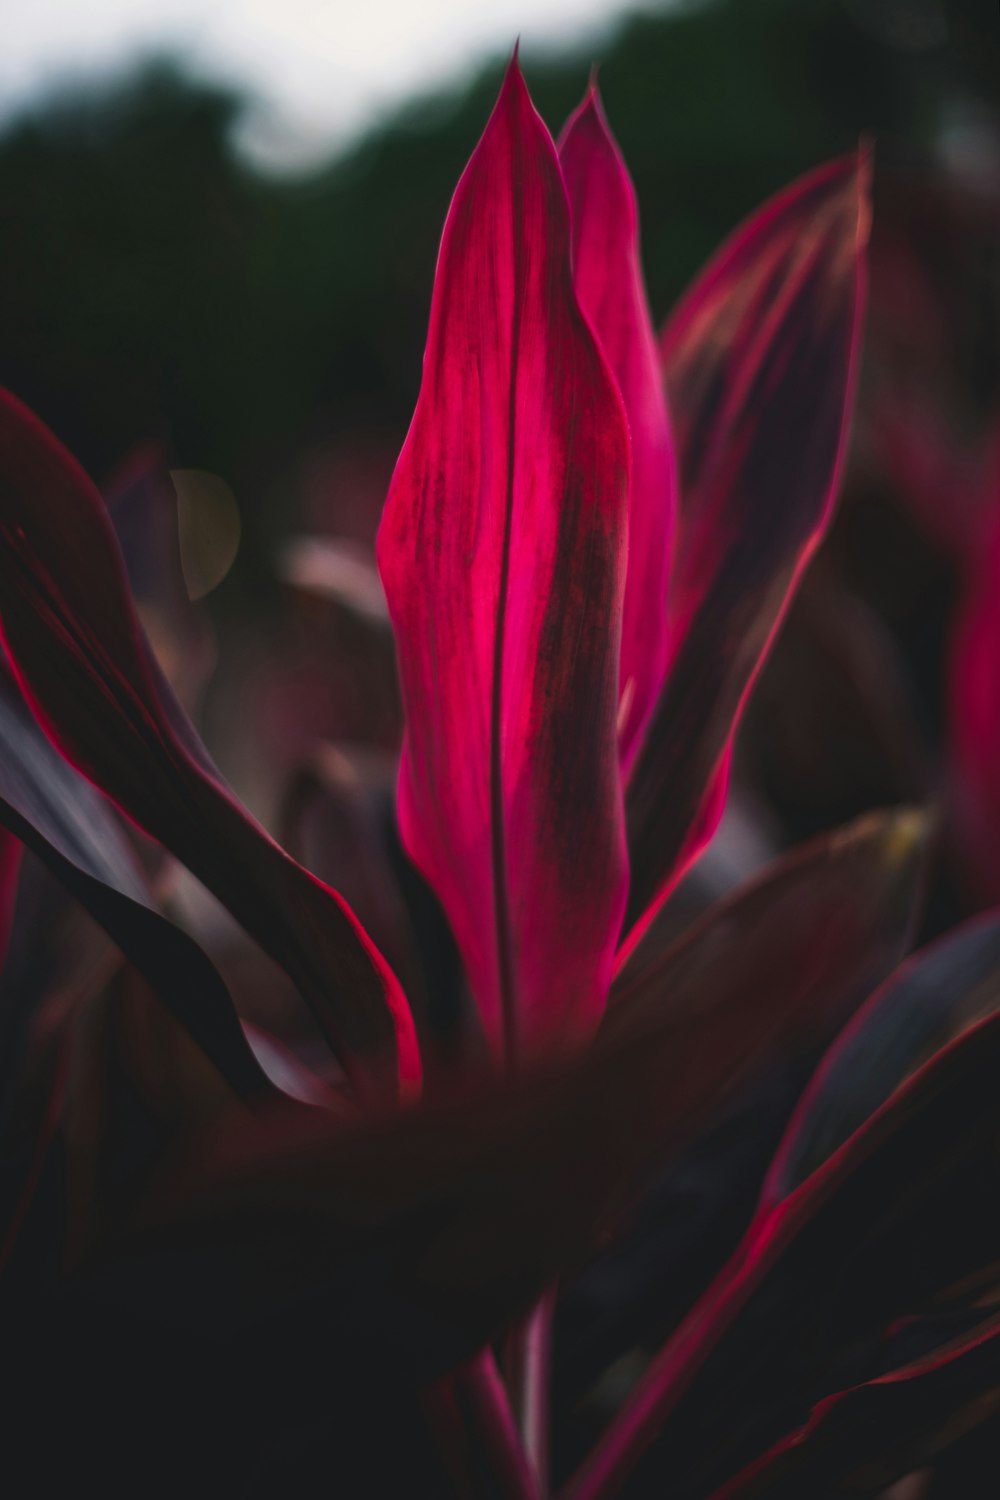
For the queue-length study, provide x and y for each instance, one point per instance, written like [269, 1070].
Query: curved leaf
[609, 283]
[879, 1228]
[502, 550]
[760, 360]
[426, 1234]
[871, 1434]
[59, 816]
[90, 678]
[338, 570]
[746, 1002]
[931, 999]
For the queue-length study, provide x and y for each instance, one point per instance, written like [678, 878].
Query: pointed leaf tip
[609, 282]
[501, 551]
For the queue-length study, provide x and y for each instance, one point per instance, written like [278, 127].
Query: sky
[320, 70]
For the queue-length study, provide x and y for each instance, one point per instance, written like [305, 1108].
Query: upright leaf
[502, 551]
[87, 671]
[760, 361]
[609, 282]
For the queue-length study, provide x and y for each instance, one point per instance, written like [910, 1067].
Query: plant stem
[490, 1429]
[529, 1366]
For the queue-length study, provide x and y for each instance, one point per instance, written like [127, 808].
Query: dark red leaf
[760, 360]
[502, 550]
[427, 1234]
[879, 1228]
[90, 678]
[62, 819]
[872, 1433]
[750, 997]
[335, 819]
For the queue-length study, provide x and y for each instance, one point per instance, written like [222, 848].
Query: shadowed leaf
[751, 995]
[760, 361]
[63, 820]
[832, 1262]
[91, 680]
[427, 1234]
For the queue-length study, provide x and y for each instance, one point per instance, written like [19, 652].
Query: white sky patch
[321, 70]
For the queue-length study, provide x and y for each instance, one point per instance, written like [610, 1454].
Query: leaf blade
[609, 282]
[90, 678]
[760, 360]
[502, 554]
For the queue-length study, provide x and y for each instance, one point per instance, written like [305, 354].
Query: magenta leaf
[760, 361]
[502, 550]
[90, 678]
[887, 1219]
[609, 282]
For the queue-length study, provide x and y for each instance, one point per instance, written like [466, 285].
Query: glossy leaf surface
[502, 550]
[90, 678]
[609, 282]
[760, 361]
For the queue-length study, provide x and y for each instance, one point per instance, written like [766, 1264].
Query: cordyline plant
[214, 1282]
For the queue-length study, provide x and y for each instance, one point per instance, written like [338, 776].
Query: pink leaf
[609, 283]
[502, 551]
[88, 673]
[760, 360]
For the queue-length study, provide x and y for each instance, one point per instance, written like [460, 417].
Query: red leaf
[609, 283]
[91, 680]
[502, 551]
[760, 360]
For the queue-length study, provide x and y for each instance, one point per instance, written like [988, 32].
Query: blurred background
[218, 227]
